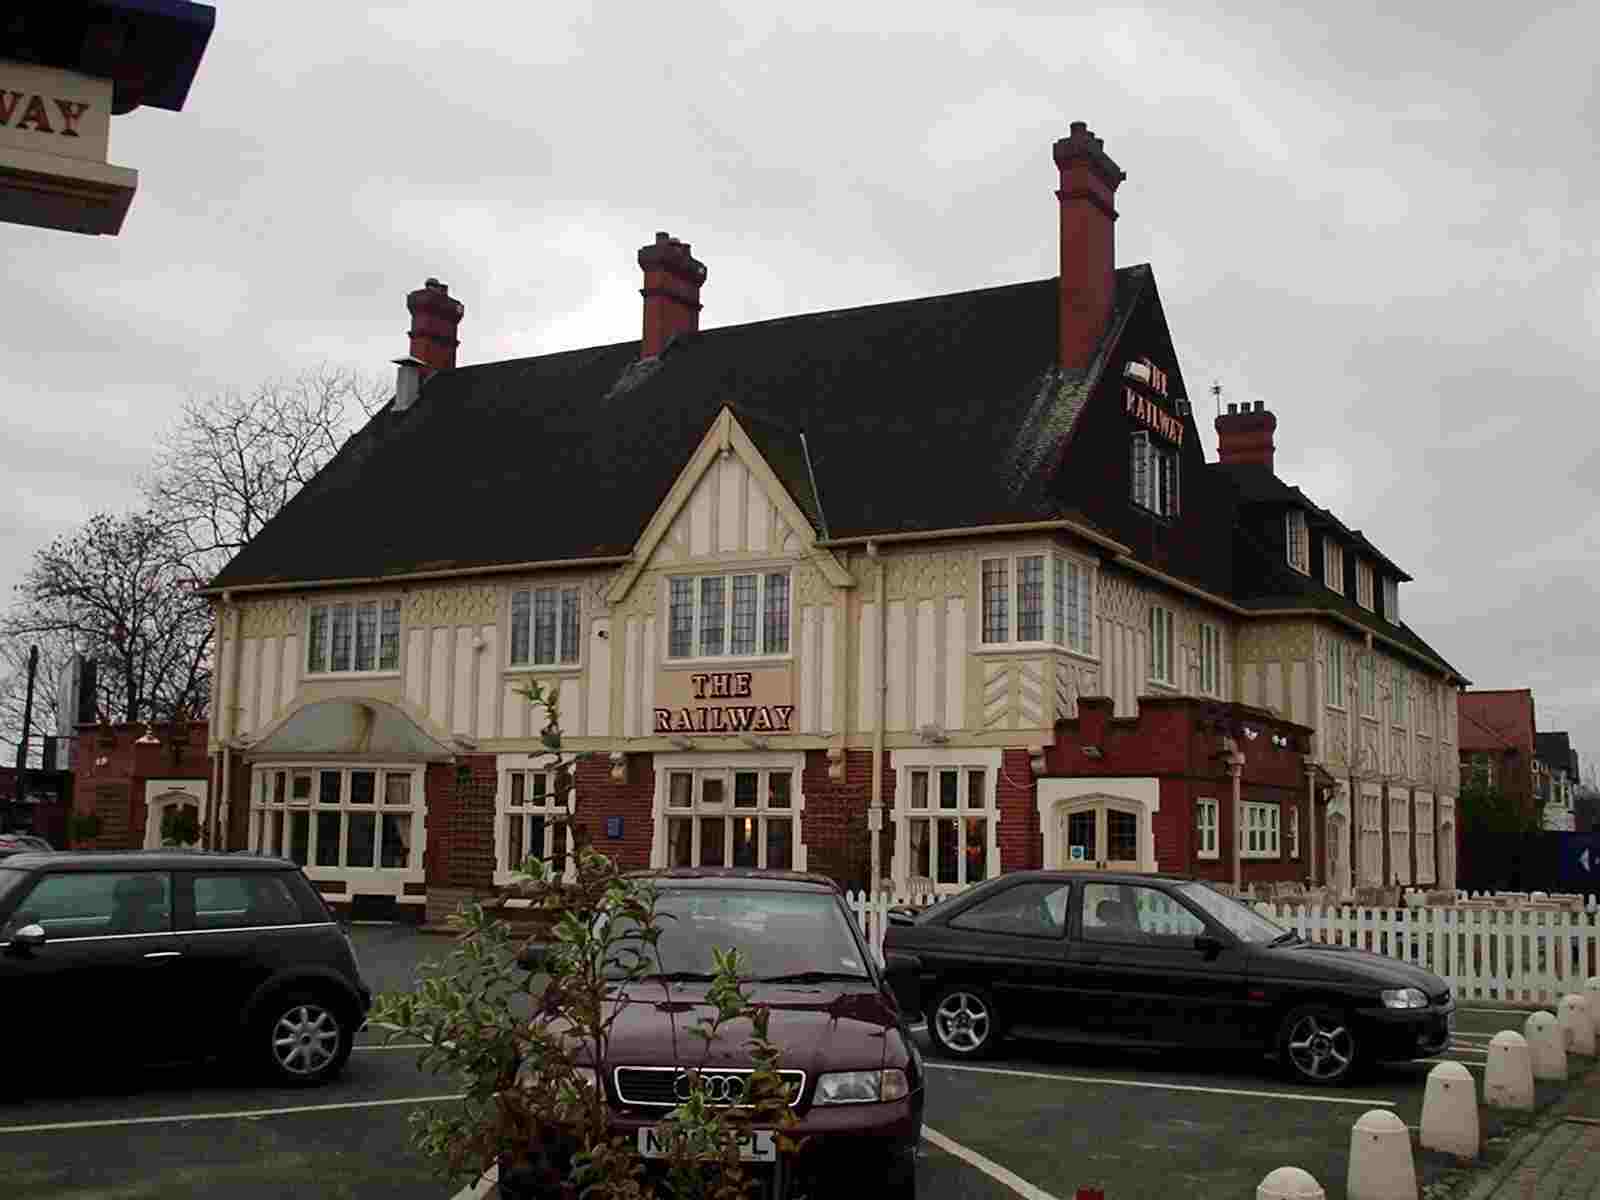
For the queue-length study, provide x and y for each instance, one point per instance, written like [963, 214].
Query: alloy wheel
[305, 1039]
[1321, 1048]
[963, 1022]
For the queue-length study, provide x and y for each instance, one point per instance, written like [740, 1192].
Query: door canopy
[348, 727]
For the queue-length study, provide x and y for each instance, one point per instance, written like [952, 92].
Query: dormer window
[1364, 584]
[1333, 565]
[1154, 472]
[1391, 599]
[1298, 541]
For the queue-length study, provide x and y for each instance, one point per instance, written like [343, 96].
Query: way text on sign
[1150, 414]
[724, 718]
[40, 114]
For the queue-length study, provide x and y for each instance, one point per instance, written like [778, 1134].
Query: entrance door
[1100, 835]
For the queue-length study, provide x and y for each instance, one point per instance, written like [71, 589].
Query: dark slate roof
[1280, 586]
[1257, 484]
[1554, 750]
[920, 414]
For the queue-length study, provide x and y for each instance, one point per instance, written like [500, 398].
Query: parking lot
[1038, 1121]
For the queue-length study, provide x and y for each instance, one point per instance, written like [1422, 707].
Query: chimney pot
[672, 281]
[435, 320]
[1261, 405]
[1244, 435]
[1232, 407]
[1089, 181]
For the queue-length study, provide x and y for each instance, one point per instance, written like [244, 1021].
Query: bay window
[338, 817]
[1163, 646]
[545, 626]
[1210, 660]
[728, 616]
[1014, 603]
[350, 636]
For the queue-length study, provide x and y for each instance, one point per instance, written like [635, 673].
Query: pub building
[908, 594]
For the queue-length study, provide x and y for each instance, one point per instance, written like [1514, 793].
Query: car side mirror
[29, 937]
[534, 955]
[903, 974]
[1209, 945]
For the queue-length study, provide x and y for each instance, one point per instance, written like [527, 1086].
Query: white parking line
[394, 1046]
[1163, 1087]
[989, 1167]
[238, 1115]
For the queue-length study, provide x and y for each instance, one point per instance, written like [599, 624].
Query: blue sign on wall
[613, 827]
[1579, 862]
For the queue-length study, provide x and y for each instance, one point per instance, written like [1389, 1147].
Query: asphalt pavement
[1039, 1122]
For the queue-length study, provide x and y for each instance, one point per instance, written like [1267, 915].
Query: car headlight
[1404, 998]
[586, 1076]
[862, 1087]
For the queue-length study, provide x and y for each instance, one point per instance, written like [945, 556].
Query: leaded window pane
[521, 606]
[544, 626]
[569, 625]
[713, 614]
[389, 637]
[996, 600]
[366, 636]
[1030, 609]
[680, 619]
[317, 641]
[775, 639]
[339, 655]
[1058, 601]
[744, 615]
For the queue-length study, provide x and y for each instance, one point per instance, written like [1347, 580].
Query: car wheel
[1319, 1045]
[303, 1038]
[962, 1023]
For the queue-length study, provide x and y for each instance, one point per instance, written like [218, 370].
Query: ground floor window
[1205, 825]
[1258, 836]
[946, 817]
[1294, 831]
[1424, 839]
[1371, 846]
[733, 811]
[1399, 837]
[366, 817]
[533, 808]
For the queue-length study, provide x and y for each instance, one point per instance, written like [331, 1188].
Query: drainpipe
[230, 722]
[875, 814]
[1236, 768]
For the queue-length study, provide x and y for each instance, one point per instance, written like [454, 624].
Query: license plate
[756, 1145]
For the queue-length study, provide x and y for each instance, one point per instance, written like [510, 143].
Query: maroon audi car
[855, 1075]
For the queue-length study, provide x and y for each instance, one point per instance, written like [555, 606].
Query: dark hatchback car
[166, 956]
[1156, 961]
[846, 1050]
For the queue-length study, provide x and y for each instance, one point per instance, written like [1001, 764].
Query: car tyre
[1319, 1045]
[302, 1038]
[962, 1022]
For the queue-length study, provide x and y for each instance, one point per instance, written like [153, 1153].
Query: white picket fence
[1501, 949]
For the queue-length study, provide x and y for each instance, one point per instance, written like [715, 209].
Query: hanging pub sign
[1151, 415]
[55, 134]
[754, 701]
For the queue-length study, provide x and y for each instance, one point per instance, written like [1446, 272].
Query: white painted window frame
[1163, 631]
[1333, 565]
[1265, 820]
[1370, 815]
[1425, 836]
[1399, 836]
[1367, 684]
[1052, 796]
[1364, 584]
[760, 569]
[1156, 457]
[1399, 696]
[1297, 540]
[507, 765]
[1333, 693]
[375, 879]
[961, 761]
[1050, 553]
[725, 765]
[532, 663]
[354, 601]
[1207, 816]
[1210, 659]
[1292, 830]
[1391, 599]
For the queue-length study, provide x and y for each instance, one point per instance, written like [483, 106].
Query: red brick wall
[114, 790]
[1021, 842]
[599, 797]
[460, 846]
[834, 825]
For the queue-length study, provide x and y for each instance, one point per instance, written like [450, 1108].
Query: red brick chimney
[671, 291]
[1089, 181]
[435, 317]
[1244, 435]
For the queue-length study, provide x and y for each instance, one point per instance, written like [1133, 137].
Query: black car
[1155, 961]
[845, 1047]
[22, 843]
[162, 956]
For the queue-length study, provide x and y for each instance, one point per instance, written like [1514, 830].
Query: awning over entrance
[343, 727]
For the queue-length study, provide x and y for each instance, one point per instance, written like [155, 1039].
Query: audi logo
[719, 1089]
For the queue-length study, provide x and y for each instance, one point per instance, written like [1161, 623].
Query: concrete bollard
[1381, 1166]
[1450, 1111]
[1508, 1077]
[1577, 1028]
[1545, 1046]
[1290, 1183]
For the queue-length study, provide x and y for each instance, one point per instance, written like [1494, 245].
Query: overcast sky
[1386, 228]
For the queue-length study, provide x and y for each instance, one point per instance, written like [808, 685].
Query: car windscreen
[1233, 915]
[779, 934]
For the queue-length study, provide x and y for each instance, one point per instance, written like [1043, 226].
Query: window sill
[1213, 856]
[726, 664]
[324, 676]
[1260, 856]
[562, 669]
[1162, 684]
[1033, 648]
[1338, 708]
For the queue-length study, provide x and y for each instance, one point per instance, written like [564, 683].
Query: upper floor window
[1210, 660]
[1022, 620]
[353, 635]
[1363, 584]
[1335, 681]
[1297, 540]
[1368, 679]
[1391, 599]
[1333, 564]
[544, 626]
[1154, 472]
[728, 616]
[1163, 646]
[1401, 679]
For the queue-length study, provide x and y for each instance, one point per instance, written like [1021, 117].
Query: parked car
[157, 956]
[1155, 961]
[22, 843]
[846, 1050]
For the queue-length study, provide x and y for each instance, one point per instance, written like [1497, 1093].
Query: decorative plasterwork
[277, 617]
[1073, 679]
[642, 597]
[458, 604]
[1370, 758]
[809, 585]
[1399, 766]
[1119, 599]
[1278, 642]
[1425, 761]
[930, 575]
